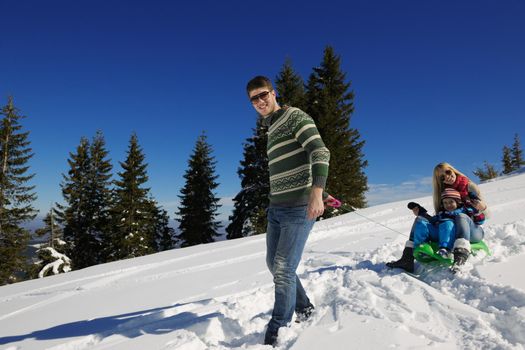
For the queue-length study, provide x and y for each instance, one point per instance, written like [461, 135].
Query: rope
[351, 209]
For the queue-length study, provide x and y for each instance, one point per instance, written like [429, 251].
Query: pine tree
[51, 229]
[86, 191]
[199, 203]
[507, 161]
[16, 196]
[131, 213]
[249, 214]
[330, 104]
[164, 234]
[75, 215]
[290, 87]
[52, 261]
[51, 255]
[517, 154]
[489, 172]
[99, 193]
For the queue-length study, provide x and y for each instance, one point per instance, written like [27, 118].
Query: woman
[468, 228]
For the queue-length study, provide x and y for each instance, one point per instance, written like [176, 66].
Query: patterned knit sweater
[297, 157]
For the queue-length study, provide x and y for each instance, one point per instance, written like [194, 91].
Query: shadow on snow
[130, 325]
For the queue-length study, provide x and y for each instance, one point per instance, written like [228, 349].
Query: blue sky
[433, 80]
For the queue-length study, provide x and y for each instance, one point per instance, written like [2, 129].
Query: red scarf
[461, 185]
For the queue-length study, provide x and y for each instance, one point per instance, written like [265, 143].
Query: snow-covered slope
[219, 296]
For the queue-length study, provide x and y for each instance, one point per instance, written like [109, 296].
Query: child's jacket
[473, 213]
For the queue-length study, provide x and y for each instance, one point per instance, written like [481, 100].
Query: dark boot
[270, 338]
[460, 256]
[406, 262]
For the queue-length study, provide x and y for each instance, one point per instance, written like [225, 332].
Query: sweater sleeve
[306, 133]
[472, 188]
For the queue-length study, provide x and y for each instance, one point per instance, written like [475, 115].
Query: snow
[61, 261]
[220, 295]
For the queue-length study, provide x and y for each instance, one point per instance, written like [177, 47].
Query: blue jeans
[287, 232]
[467, 229]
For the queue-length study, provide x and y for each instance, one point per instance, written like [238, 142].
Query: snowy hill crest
[220, 296]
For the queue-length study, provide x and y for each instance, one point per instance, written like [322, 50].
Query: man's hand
[315, 203]
[330, 201]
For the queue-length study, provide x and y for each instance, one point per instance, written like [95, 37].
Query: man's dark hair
[257, 83]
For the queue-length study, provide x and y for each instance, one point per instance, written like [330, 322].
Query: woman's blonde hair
[438, 186]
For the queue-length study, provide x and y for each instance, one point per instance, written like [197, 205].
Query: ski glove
[413, 205]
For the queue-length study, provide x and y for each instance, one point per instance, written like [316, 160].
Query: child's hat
[451, 193]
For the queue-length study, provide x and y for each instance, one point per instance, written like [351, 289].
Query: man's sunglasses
[263, 96]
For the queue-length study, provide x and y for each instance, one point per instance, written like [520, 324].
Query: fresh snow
[220, 295]
[61, 261]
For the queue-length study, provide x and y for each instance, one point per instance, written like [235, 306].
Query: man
[298, 166]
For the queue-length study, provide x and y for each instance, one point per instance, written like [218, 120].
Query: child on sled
[467, 228]
[442, 228]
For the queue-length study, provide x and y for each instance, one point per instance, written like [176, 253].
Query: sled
[427, 252]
